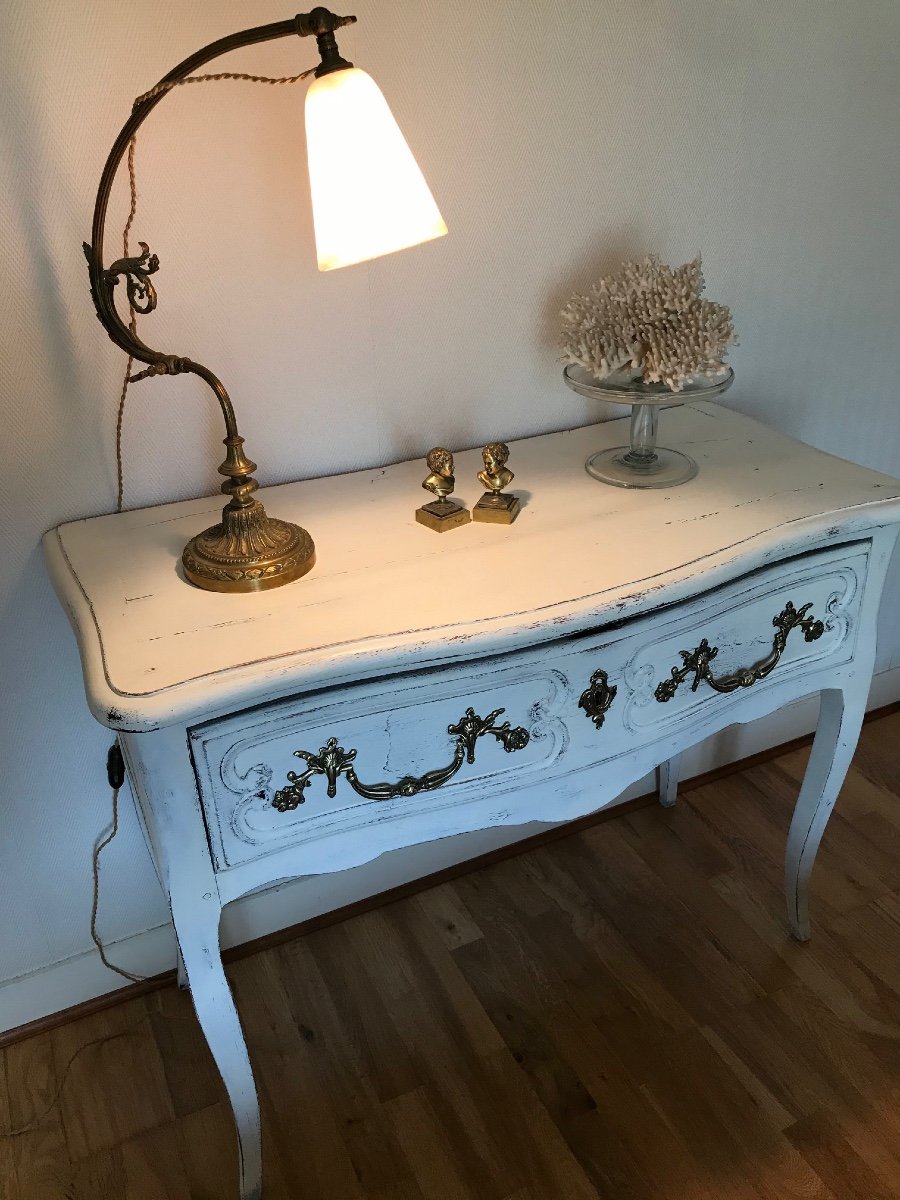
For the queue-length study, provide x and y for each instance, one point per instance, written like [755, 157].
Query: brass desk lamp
[369, 198]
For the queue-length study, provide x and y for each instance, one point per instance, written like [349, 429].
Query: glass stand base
[622, 467]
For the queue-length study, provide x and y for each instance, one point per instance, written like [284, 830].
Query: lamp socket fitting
[320, 21]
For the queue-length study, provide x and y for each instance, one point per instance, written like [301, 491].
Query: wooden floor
[618, 1014]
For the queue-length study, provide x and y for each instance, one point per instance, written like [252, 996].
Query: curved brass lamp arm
[103, 281]
[248, 551]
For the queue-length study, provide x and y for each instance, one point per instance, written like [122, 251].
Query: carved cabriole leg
[840, 719]
[160, 762]
[841, 713]
[667, 774]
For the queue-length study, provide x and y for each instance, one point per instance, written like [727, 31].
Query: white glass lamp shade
[368, 195]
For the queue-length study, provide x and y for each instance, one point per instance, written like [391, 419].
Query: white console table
[492, 675]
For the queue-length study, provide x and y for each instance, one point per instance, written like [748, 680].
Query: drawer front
[306, 770]
[768, 629]
[447, 750]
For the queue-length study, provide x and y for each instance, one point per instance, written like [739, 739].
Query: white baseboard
[83, 977]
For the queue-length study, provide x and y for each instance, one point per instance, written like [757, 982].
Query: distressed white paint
[160, 768]
[153, 950]
[384, 592]
[406, 631]
[761, 131]
[667, 780]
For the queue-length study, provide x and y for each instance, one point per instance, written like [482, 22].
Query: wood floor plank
[9, 1184]
[450, 995]
[628, 1148]
[876, 755]
[773, 1114]
[405, 1189]
[453, 921]
[682, 835]
[191, 1076]
[545, 1159]
[871, 935]
[618, 987]
[558, 1085]
[206, 1143]
[339, 1072]
[419, 1133]
[851, 869]
[467, 1110]
[40, 1152]
[860, 1067]
[656, 924]
[314, 1156]
[99, 1174]
[363, 1014]
[710, 918]
[152, 1165]
[619, 1014]
[820, 1140]
[118, 1085]
[824, 966]
[705, 1103]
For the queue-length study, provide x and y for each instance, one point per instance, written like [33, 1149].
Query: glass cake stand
[643, 464]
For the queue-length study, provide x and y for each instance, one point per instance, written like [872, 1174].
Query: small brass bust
[496, 475]
[443, 513]
[495, 505]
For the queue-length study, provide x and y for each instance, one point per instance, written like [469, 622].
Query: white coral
[653, 317]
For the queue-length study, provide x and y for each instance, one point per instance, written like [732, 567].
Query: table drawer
[431, 754]
[760, 632]
[336, 762]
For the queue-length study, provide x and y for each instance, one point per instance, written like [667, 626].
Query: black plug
[115, 766]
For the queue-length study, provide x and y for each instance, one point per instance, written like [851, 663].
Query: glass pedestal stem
[642, 452]
[642, 463]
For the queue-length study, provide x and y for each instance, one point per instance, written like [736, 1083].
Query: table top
[388, 594]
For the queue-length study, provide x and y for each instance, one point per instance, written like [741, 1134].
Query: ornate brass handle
[333, 760]
[697, 661]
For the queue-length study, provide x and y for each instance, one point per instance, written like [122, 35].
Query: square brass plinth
[442, 516]
[500, 508]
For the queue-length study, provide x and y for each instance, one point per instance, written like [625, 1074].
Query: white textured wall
[558, 138]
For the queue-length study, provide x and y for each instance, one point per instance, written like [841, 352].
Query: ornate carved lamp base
[500, 508]
[441, 515]
[248, 552]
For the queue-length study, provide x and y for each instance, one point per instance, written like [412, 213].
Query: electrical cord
[19, 1130]
[115, 773]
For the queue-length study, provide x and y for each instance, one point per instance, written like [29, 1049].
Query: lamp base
[248, 551]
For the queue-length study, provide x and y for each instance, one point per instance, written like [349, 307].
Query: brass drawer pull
[697, 661]
[333, 760]
[597, 697]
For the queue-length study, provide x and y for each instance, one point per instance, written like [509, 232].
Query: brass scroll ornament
[597, 697]
[333, 760]
[697, 661]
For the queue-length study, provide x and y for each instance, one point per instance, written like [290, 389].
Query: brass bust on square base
[441, 514]
[496, 506]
